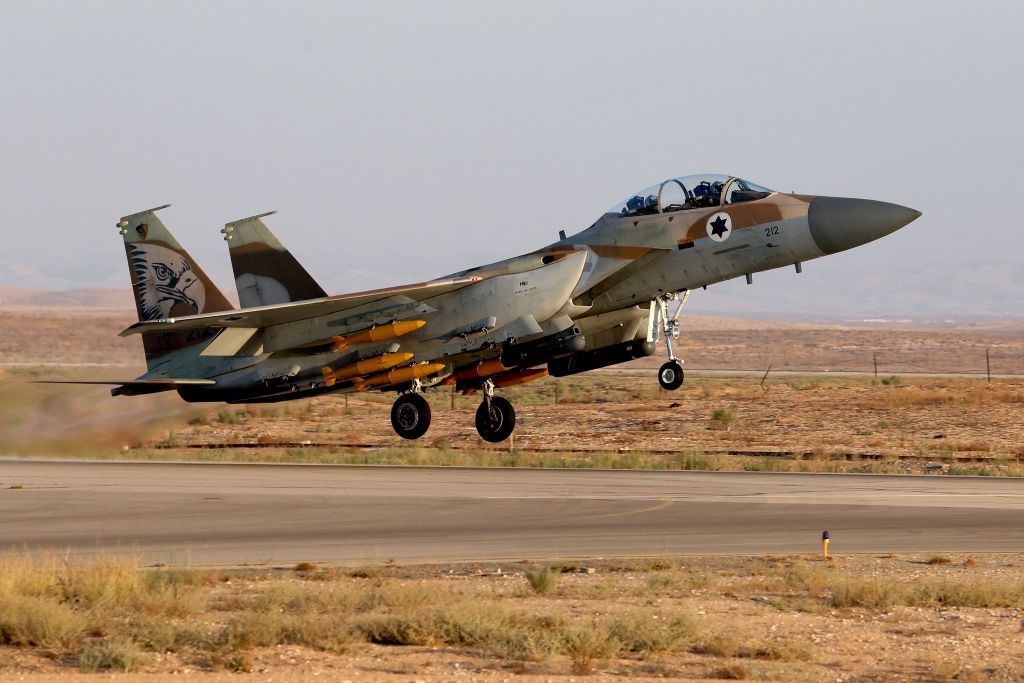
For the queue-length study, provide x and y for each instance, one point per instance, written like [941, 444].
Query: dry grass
[637, 617]
[840, 589]
[114, 616]
[108, 615]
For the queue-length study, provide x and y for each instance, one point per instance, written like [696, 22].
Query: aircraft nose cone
[839, 223]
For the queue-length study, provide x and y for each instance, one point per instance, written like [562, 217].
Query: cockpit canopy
[689, 192]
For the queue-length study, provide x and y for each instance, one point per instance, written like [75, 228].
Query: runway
[228, 514]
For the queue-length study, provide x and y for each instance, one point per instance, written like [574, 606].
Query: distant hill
[90, 297]
[843, 291]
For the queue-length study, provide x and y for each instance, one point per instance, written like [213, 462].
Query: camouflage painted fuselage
[583, 293]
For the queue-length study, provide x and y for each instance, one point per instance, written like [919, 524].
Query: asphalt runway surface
[230, 514]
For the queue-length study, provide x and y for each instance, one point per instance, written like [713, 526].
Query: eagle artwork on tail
[165, 282]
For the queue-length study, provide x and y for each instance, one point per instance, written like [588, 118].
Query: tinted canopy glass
[688, 192]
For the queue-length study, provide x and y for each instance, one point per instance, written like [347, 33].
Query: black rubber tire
[495, 423]
[670, 375]
[410, 416]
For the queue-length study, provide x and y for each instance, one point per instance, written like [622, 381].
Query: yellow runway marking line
[665, 502]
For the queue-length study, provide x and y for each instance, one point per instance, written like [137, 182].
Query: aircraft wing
[266, 316]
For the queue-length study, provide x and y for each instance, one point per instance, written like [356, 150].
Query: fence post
[875, 356]
[763, 387]
[988, 366]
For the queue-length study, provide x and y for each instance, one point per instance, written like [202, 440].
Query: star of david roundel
[719, 226]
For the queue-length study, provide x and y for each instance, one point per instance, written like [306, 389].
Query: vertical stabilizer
[167, 282]
[266, 273]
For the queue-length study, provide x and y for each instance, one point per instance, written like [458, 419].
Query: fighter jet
[590, 300]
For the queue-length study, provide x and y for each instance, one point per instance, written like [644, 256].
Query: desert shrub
[965, 592]
[721, 418]
[585, 643]
[509, 634]
[677, 581]
[30, 620]
[892, 380]
[731, 672]
[367, 571]
[784, 651]
[877, 594]
[162, 635]
[929, 592]
[690, 460]
[542, 579]
[404, 597]
[645, 633]
[722, 644]
[296, 597]
[117, 654]
[255, 629]
[421, 627]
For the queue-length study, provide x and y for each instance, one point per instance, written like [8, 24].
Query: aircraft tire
[496, 421]
[670, 375]
[410, 416]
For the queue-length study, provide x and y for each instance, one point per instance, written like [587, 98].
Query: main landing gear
[410, 416]
[495, 418]
[670, 375]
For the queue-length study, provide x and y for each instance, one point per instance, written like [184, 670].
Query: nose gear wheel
[670, 375]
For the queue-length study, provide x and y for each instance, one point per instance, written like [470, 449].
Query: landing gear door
[654, 323]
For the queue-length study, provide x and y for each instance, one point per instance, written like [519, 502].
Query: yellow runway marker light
[824, 543]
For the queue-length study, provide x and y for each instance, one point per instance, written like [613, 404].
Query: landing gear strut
[495, 418]
[410, 416]
[670, 375]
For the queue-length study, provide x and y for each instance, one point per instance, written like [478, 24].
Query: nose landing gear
[410, 416]
[495, 418]
[670, 375]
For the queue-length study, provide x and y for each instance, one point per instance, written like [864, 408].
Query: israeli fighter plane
[597, 298]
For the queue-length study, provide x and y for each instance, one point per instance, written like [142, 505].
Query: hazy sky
[403, 141]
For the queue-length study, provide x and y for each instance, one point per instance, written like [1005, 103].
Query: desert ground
[820, 407]
[928, 616]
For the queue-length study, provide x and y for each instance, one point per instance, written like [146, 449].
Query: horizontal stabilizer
[134, 387]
